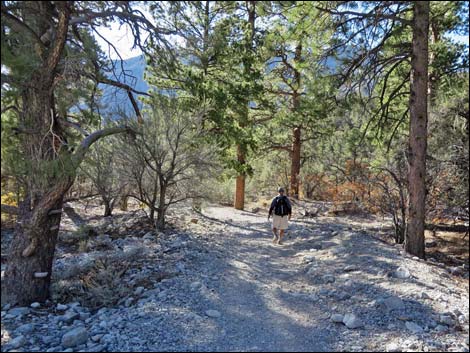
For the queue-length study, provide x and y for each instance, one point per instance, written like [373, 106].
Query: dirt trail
[233, 290]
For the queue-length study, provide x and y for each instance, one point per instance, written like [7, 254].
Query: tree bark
[123, 203]
[240, 183]
[108, 209]
[297, 131]
[414, 240]
[33, 246]
[161, 208]
[295, 163]
[239, 203]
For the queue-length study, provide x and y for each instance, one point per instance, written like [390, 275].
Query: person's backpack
[282, 207]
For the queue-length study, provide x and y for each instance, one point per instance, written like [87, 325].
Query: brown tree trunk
[152, 214]
[108, 209]
[433, 74]
[239, 202]
[51, 169]
[29, 268]
[297, 131]
[240, 183]
[123, 203]
[28, 274]
[295, 163]
[161, 207]
[414, 240]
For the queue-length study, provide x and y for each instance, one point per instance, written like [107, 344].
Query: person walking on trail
[282, 209]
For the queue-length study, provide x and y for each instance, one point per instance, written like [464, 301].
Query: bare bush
[165, 161]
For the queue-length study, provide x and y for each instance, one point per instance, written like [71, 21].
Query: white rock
[19, 311]
[75, 337]
[394, 303]
[195, 285]
[402, 272]
[425, 295]
[393, 347]
[129, 302]
[312, 270]
[26, 328]
[69, 317]
[338, 318]
[446, 319]
[149, 236]
[17, 342]
[213, 313]
[97, 338]
[139, 290]
[35, 305]
[313, 297]
[308, 258]
[415, 328]
[351, 268]
[352, 321]
[61, 307]
[441, 328]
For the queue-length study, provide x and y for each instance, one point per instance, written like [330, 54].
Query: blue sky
[121, 37]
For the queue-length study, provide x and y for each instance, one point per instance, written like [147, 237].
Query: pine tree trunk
[297, 131]
[240, 183]
[295, 163]
[414, 241]
[239, 203]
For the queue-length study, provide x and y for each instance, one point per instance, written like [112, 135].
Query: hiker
[282, 213]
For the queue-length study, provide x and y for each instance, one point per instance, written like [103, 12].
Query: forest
[358, 109]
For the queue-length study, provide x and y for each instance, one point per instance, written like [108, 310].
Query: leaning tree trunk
[28, 272]
[29, 268]
[414, 241]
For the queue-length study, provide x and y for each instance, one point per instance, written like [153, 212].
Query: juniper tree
[52, 61]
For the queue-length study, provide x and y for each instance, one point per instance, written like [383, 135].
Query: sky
[121, 38]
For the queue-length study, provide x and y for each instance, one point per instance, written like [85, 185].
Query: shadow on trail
[269, 301]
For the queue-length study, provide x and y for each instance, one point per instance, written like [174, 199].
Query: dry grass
[100, 286]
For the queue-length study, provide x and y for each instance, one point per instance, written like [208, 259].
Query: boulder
[415, 328]
[352, 321]
[75, 337]
[213, 313]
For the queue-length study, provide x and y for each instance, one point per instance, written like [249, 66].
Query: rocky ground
[215, 282]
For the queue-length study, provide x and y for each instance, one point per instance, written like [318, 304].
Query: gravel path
[330, 287]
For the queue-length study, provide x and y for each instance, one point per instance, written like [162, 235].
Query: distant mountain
[115, 102]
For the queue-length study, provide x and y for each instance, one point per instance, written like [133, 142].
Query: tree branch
[95, 136]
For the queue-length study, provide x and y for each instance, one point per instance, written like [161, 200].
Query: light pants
[280, 222]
